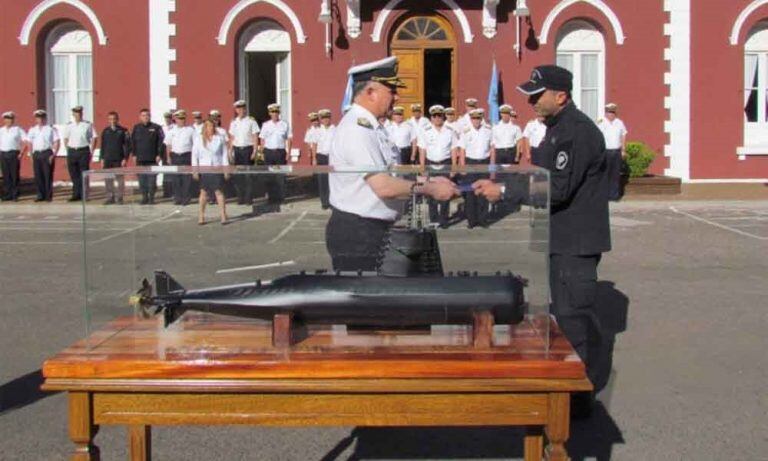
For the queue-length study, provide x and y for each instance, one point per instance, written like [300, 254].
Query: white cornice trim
[42, 7]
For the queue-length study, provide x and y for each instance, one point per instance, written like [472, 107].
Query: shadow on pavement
[22, 391]
[591, 438]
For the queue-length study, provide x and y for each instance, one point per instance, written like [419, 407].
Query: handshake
[441, 188]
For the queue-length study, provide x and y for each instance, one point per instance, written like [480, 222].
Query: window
[756, 86]
[581, 49]
[69, 75]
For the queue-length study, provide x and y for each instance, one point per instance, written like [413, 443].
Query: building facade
[690, 78]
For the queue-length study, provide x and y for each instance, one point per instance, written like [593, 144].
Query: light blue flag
[493, 96]
[347, 96]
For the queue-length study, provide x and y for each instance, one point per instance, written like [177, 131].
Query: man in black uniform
[115, 149]
[147, 144]
[574, 153]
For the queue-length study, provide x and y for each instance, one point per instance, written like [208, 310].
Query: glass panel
[85, 99]
[439, 35]
[411, 27]
[60, 69]
[588, 103]
[421, 25]
[129, 283]
[61, 107]
[565, 61]
[404, 34]
[751, 72]
[589, 71]
[283, 86]
[84, 72]
[431, 27]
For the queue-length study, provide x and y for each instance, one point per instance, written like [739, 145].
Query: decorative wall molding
[381, 19]
[243, 4]
[42, 7]
[599, 4]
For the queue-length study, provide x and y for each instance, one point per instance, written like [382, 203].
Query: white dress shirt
[361, 142]
[324, 138]
[402, 134]
[438, 144]
[310, 137]
[42, 137]
[198, 127]
[612, 131]
[12, 138]
[477, 143]
[535, 131]
[79, 135]
[275, 134]
[506, 135]
[181, 139]
[421, 124]
[212, 154]
[242, 131]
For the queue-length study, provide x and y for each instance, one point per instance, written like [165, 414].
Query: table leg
[533, 447]
[140, 443]
[81, 427]
[557, 428]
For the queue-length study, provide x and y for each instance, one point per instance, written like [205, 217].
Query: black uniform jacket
[115, 144]
[573, 150]
[147, 142]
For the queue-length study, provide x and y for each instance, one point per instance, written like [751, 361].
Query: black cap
[547, 78]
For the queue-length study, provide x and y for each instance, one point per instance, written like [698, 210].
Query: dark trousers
[573, 285]
[506, 156]
[439, 210]
[323, 190]
[109, 182]
[275, 183]
[354, 242]
[613, 160]
[42, 164]
[182, 182]
[9, 161]
[78, 161]
[405, 155]
[475, 208]
[147, 182]
[244, 182]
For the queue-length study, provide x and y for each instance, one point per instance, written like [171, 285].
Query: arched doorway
[264, 52]
[426, 49]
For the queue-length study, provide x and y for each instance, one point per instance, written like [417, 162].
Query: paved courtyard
[685, 289]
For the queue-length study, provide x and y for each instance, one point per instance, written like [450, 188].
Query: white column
[160, 56]
[678, 81]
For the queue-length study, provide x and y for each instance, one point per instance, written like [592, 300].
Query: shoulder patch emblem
[562, 160]
[362, 121]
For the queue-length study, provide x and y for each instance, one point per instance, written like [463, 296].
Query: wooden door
[410, 71]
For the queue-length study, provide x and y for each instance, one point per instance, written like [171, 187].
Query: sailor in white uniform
[44, 143]
[365, 205]
[418, 121]
[438, 146]
[324, 142]
[13, 145]
[506, 135]
[244, 133]
[403, 136]
[276, 137]
[476, 148]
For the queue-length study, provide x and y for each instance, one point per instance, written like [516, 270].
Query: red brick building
[690, 77]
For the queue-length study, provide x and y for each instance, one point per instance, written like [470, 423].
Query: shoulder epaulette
[362, 121]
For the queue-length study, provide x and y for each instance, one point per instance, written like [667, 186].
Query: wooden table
[210, 370]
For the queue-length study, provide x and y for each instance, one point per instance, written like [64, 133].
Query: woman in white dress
[210, 150]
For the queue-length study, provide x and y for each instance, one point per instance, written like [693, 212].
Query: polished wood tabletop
[205, 346]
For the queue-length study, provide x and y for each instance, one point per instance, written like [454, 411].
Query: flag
[347, 96]
[493, 96]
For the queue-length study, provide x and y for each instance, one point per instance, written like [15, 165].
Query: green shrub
[639, 158]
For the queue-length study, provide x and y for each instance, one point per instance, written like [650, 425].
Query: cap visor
[530, 88]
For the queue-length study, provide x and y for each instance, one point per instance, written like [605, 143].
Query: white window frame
[72, 87]
[756, 133]
[577, 54]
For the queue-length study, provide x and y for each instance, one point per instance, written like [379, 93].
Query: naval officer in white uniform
[366, 205]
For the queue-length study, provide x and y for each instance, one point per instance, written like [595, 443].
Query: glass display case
[169, 266]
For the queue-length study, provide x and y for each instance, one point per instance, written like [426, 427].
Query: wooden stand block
[81, 427]
[282, 335]
[482, 329]
[140, 443]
